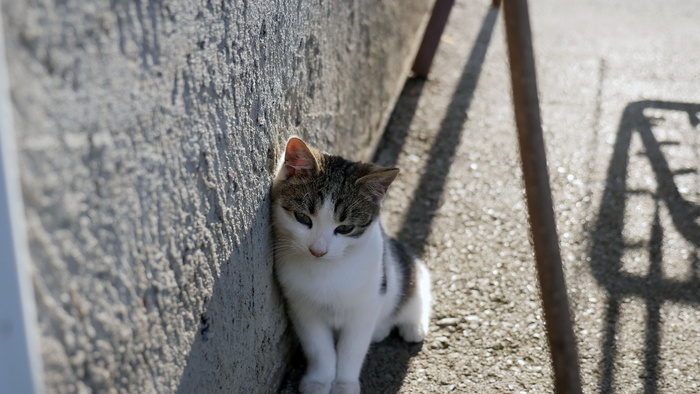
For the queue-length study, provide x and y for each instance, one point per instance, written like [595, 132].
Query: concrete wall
[147, 134]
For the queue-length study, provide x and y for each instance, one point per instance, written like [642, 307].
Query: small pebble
[448, 321]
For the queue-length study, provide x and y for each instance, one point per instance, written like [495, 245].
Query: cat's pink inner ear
[378, 182]
[297, 158]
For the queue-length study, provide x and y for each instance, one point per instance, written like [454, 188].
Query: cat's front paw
[308, 386]
[412, 332]
[345, 387]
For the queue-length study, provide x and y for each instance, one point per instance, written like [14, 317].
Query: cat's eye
[303, 219]
[344, 229]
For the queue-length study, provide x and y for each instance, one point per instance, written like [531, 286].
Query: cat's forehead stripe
[338, 201]
[343, 215]
[311, 206]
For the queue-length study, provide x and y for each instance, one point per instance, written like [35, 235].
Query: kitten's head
[323, 204]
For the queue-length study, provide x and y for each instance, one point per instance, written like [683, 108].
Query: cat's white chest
[338, 283]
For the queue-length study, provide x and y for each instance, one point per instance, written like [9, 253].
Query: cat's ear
[377, 183]
[298, 159]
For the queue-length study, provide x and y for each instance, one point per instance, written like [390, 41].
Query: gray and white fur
[345, 281]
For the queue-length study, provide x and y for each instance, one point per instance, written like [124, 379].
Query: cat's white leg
[413, 320]
[317, 342]
[382, 330]
[353, 343]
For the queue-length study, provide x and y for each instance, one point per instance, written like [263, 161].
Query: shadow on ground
[609, 245]
[387, 362]
[417, 222]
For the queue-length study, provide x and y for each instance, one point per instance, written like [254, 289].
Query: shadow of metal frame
[608, 243]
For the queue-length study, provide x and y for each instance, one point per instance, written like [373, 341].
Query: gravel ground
[620, 95]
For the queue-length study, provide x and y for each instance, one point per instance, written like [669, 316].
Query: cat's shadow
[387, 363]
[384, 369]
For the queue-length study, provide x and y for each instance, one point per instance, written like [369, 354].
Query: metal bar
[431, 37]
[562, 342]
[20, 359]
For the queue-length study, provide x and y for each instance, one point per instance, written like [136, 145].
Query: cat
[345, 281]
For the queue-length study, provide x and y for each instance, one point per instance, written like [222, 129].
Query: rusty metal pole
[431, 37]
[560, 334]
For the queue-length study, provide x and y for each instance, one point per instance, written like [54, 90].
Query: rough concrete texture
[148, 132]
[620, 103]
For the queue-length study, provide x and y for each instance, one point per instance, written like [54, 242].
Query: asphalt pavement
[619, 84]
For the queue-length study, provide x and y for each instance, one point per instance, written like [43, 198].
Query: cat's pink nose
[316, 253]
